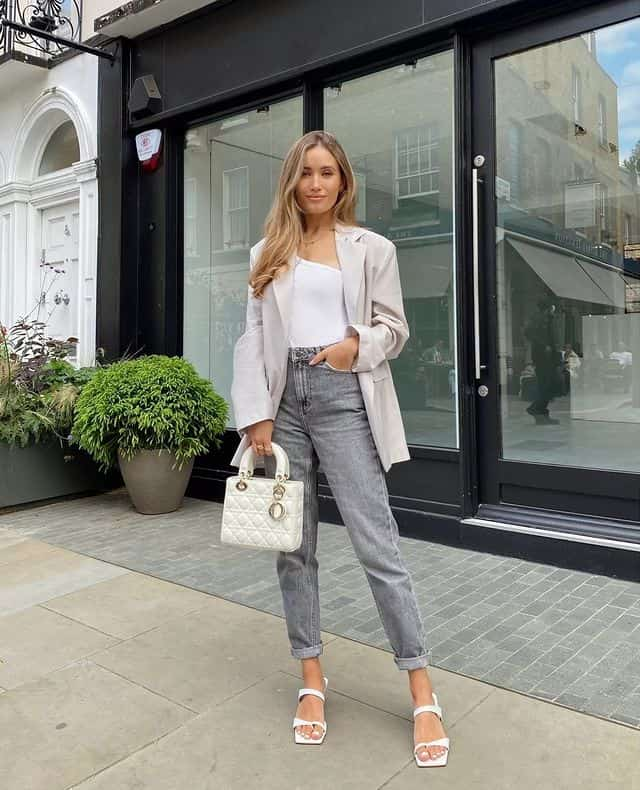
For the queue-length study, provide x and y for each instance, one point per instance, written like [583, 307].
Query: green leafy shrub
[23, 420]
[59, 372]
[149, 403]
[38, 387]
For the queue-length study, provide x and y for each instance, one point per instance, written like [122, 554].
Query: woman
[311, 372]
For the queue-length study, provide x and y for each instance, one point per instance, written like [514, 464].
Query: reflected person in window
[311, 373]
[540, 332]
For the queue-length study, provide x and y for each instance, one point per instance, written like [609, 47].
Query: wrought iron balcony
[60, 18]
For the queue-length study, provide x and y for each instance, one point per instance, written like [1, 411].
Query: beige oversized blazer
[373, 300]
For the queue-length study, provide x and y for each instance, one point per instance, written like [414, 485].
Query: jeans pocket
[337, 370]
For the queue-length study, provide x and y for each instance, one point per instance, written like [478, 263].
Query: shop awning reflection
[425, 271]
[572, 276]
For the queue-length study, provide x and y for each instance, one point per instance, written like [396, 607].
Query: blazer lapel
[351, 255]
[283, 291]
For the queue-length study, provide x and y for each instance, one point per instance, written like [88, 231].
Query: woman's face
[320, 182]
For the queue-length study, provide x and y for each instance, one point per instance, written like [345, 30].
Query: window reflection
[568, 250]
[397, 128]
[231, 169]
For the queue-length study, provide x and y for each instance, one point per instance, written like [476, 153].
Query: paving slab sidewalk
[111, 679]
[556, 634]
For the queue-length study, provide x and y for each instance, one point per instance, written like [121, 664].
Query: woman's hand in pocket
[339, 355]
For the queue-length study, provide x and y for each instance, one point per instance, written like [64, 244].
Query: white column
[6, 275]
[14, 271]
[85, 173]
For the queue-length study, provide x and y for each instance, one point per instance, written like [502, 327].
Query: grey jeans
[322, 420]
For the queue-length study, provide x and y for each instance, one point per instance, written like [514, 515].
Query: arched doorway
[53, 176]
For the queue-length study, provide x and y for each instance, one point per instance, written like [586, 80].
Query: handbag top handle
[282, 461]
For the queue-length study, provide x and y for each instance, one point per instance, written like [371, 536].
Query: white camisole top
[318, 315]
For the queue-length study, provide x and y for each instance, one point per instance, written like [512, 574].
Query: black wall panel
[117, 305]
[244, 42]
[152, 240]
[242, 45]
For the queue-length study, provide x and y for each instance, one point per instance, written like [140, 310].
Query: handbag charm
[260, 512]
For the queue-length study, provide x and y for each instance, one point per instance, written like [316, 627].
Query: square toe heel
[298, 738]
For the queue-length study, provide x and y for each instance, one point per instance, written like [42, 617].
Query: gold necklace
[309, 243]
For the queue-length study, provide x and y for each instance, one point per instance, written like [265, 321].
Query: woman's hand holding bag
[260, 435]
[262, 512]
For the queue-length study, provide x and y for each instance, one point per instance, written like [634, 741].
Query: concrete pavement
[561, 635]
[113, 679]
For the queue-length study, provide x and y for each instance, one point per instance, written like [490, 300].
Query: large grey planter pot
[153, 485]
[46, 471]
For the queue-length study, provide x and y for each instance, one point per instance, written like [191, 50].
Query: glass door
[557, 213]
[397, 126]
[231, 170]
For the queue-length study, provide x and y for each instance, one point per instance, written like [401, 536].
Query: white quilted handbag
[263, 512]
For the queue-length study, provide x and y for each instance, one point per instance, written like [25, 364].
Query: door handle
[478, 366]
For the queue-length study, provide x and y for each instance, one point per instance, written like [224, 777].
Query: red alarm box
[148, 146]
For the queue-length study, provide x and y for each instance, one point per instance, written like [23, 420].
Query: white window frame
[516, 170]
[227, 211]
[590, 41]
[544, 181]
[604, 196]
[433, 143]
[361, 206]
[602, 120]
[191, 217]
[576, 94]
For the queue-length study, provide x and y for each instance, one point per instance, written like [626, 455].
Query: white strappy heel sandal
[299, 737]
[436, 761]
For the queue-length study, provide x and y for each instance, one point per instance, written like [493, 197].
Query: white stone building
[48, 157]
[48, 187]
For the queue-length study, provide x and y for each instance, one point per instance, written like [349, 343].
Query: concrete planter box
[40, 471]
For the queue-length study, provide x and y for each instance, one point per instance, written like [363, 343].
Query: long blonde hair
[285, 222]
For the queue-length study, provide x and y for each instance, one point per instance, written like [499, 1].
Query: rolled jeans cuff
[417, 662]
[307, 652]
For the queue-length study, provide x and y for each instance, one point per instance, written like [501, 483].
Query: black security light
[145, 98]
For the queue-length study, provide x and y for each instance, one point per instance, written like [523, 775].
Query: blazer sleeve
[249, 391]
[389, 330]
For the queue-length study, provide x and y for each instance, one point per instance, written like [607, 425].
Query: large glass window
[397, 128]
[568, 250]
[231, 169]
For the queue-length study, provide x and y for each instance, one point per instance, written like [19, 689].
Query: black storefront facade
[494, 144]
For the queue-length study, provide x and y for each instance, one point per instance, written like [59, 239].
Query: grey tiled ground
[561, 635]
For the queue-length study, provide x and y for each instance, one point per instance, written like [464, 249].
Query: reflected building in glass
[568, 268]
[398, 128]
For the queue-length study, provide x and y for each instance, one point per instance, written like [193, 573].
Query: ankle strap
[435, 708]
[428, 709]
[315, 693]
